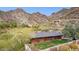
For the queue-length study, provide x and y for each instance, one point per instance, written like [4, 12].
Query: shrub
[14, 39]
[64, 48]
[73, 46]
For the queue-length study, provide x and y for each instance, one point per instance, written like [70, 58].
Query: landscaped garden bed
[47, 44]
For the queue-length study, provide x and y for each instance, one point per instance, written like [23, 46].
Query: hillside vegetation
[17, 25]
[14, 39]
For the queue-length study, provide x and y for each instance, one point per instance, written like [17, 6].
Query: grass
[58, 41]
[43, 45]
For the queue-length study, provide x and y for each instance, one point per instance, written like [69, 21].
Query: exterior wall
[37, 40]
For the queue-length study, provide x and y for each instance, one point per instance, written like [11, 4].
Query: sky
[42, 10]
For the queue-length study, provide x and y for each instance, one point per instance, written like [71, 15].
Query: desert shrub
[64, 48]
[24, 25]
[5, 36]
[12, 24]
[5, 24]
[14, 39]
[5, 45]
[11, 44]
[16, 45]
[73, 46]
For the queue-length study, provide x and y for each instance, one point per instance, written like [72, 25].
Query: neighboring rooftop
[45, 34]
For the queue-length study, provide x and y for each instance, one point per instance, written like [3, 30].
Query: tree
[25, 25]
[71, 30]
[36, 27]
[5, 24]
[12, 24]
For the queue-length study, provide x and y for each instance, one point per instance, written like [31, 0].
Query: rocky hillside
[57, 20]
[18, 15]
[22, 17]
[65, 16]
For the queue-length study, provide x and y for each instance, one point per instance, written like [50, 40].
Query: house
[45, 36]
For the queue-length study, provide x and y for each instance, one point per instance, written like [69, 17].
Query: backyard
[47, 44]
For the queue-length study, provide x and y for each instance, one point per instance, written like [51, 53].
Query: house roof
[46, 34]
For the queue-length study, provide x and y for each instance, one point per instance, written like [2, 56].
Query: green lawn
[58, 41]
[43, 45]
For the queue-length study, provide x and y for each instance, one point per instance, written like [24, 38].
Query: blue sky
[43, 10]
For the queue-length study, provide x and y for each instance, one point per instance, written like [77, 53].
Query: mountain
[56, 20]
[72, 13]
[65, 16]
[38, 18]
[17, 15]
[22, 17]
